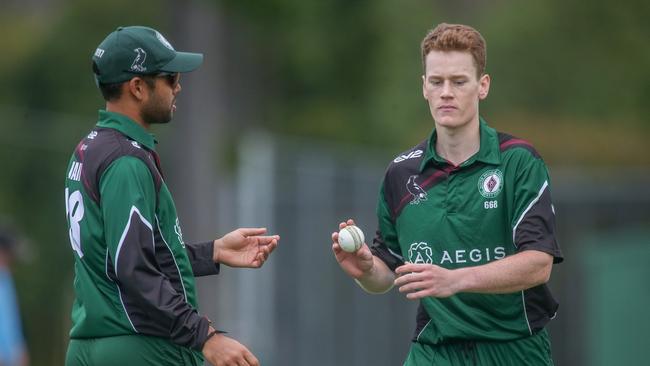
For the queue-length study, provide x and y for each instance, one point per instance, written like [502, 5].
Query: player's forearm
[514, 273]
[379, 279]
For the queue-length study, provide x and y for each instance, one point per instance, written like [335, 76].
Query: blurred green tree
[564, 73]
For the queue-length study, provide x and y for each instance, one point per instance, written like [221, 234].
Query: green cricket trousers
[530, 351]
[129, 350]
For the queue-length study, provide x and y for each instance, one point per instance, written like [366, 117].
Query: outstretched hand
[244, 247]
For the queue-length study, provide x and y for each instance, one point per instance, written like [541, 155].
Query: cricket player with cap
[136, 301]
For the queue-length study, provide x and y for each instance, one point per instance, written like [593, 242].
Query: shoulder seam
[124, 150]
[507, 142]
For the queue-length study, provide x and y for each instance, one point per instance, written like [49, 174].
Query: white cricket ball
[351, 238]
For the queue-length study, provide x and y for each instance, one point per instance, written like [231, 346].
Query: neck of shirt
[458, 146]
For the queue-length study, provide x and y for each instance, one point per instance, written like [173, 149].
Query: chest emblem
[417, 193]
[490, 183]
[420, 253]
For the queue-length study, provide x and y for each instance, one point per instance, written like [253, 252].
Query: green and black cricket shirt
[495, 204]
[133, 272]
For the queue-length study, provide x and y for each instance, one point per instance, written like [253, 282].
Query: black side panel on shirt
[200, 255]
[541, 307]
[396, 190]
[380, 250]
[536, 230]
[100, 149]
[405, 168]
[152, 292]
[421, 320]
[153, 304]
[166, 263]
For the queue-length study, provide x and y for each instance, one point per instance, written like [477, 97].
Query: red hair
[456, 37]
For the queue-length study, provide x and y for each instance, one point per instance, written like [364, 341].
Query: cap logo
[138, 62]
[164, 41]
[99, 53]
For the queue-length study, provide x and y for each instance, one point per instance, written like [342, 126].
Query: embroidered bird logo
[415, 190]
[138, 62]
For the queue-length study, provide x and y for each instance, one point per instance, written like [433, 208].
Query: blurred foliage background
[572, 77]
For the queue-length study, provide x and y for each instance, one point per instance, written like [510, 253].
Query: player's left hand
[244, 247]
[423, 280]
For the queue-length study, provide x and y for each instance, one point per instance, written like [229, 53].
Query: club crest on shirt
[490, 183]
[420, 253]
[415, 190]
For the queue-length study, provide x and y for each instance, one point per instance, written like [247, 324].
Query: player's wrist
[218, 243]
[212, 336]
[465, 279]
[375, 282]
[368, 273]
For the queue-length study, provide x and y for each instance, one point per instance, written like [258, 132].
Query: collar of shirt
[128, 127]
[488, 152]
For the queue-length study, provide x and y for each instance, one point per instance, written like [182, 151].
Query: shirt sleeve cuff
[200, 255]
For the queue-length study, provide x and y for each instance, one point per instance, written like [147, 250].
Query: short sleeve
[533, 222]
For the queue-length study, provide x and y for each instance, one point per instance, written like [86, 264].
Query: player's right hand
[220, 350]
[355, 264]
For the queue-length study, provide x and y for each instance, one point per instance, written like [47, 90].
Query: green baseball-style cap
[137, 50]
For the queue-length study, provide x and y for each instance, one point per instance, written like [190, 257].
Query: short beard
[155, 113]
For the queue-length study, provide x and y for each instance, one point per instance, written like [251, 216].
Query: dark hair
[113, 91]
